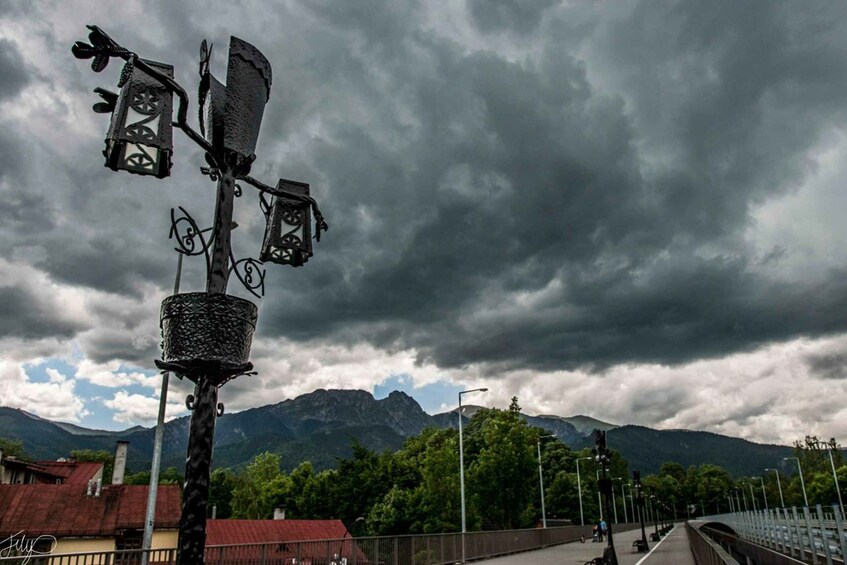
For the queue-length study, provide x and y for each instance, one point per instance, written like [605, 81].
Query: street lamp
[462, 466]
[623, 499]
[579, 489]
[764, 494]
[802, 483]
[640, 545]
[779, 486]
[631, 501]
[541, 480]
[604, 485]
[206, 336]
[752, 495]
[835, 478]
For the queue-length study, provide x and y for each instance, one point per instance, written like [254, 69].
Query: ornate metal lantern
[288, 236]
[140, 136]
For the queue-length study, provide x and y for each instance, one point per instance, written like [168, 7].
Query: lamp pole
[579, 489]
[541, 480]
[835, 478]
[764, 494]
[599, 499]
[631, 502]
[604, 486]
[640, 545]
[778, 486]
[158, 440]
[462, 466]
[623, 499]
[753, 495]
[206, 336]
[802, 482]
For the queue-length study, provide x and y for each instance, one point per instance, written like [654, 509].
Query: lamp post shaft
[219, 270]
[462, 477]
[192, 523]
[835, 478]
[579, 493]
[541, 486]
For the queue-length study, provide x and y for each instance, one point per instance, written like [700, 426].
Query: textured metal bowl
[203, 327]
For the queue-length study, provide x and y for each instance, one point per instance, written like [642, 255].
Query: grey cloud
[25, 315]
[13, 76]
[520, 16]
[832, 366]
[580, 206]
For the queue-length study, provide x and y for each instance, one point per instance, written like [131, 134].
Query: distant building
[15, 471]
[88, 517]
[277, 541]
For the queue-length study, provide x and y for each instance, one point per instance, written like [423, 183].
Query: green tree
[221, 486]
[13, 448]
[97, 456]
[259, 488]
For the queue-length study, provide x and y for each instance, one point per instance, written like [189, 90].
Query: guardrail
[809, 534]
[707, 551]
[435, 549]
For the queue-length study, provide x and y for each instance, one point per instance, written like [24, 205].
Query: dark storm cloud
[501, 178]
[13, 76]
[828, 366]
[24, 315]
[569, 206]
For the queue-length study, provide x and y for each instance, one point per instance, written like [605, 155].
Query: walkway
[672, 550]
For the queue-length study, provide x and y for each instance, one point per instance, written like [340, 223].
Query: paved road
[672, 550]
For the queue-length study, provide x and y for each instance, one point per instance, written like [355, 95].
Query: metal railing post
[824, 541]
[800, 546]
[839, 530]
[810, 535]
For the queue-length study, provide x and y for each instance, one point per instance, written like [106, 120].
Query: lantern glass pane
[141, 158]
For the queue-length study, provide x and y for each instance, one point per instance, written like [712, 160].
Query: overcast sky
[629, 210]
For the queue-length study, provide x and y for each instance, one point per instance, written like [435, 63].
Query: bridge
[778, 536]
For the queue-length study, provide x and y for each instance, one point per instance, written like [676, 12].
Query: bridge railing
[814, 535]
[706, 550]
[435, 549]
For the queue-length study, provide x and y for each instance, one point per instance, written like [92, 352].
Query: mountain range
[321, 427]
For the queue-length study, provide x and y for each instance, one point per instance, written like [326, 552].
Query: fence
[437, 549]
[705, 550]
[809, 534]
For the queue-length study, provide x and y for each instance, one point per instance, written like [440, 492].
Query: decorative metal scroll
[250, 273]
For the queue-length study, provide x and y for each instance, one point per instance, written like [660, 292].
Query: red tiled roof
[280, 538]
[67, 511]
[74, 472]
[231, 532]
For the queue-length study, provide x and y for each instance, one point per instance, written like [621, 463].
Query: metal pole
[764, 494]
[802, 482]
[835, 478]
[579, 490]
[156, 464]
[599, 499]
[462, 477]
[541, 485]
[752, 496]
[462, 467]
[778, 486]
[623, 499]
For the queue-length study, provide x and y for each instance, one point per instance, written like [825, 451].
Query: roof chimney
[279, 513]
[99, 486]
[120, 462]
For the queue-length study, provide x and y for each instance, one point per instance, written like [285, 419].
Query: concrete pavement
[673, 549]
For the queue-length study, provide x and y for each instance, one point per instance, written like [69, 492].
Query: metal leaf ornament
[203, 91]
[110, 100]
[101, 49]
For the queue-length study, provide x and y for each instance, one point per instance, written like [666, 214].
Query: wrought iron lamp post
[206, 336]
[640, 545]
[604, 485]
